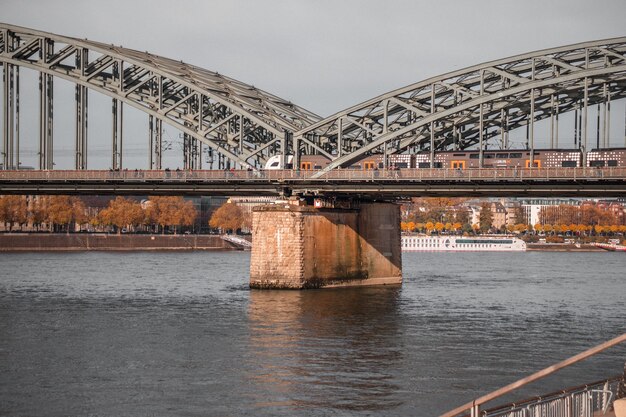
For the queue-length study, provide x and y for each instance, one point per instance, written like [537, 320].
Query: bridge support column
[82, 97]
[46, 120]
[117, 138]
[300, 247]
[155, 134]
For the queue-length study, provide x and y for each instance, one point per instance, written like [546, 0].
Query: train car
[500, 159]
[614, 157]
[317, 162]
[516, 158]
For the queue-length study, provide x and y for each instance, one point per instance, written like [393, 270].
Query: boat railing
[581, 401]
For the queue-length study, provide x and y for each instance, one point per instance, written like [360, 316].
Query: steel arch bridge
[468, 107]
[239, 121]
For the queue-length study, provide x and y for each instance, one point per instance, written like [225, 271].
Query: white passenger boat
[425, 243]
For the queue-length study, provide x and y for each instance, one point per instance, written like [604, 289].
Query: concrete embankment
[562, 247]
[16, 242]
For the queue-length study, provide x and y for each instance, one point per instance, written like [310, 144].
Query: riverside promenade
[25, 242]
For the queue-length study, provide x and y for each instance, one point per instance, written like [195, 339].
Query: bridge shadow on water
[322, 350]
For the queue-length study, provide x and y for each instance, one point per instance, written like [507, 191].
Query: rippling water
[159, 334]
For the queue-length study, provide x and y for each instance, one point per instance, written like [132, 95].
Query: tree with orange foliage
[13, 210]
[121, 213]
[171, 211]
[228, 217]
[63, 210]
[39, 211]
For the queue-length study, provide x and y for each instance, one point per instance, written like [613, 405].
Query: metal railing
[422, 174]
[237, 240]
[583, 401]
[576, 402]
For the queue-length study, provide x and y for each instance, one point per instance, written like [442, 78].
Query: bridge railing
[421, 174]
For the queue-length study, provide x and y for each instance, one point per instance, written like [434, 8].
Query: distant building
[205, 207]
[248, 203]
[532, 207]
[498, 214]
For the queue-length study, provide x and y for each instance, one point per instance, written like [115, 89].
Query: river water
[180, 334]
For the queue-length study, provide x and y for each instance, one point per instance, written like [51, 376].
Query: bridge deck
[602, 182]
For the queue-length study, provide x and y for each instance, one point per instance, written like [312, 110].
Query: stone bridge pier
[300, 247]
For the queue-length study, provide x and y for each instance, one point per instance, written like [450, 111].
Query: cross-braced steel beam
[241, 123]
[469, 107]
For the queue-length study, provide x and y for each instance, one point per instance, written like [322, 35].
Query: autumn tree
[462, 216]
[171, 211]
[63, 210]
[39, 211]
[13, 210]
[486, 217]
[122, 212]
[228, 217]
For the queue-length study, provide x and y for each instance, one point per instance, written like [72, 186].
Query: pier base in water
[299, 247]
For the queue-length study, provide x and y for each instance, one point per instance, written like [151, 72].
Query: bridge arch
[239, 121]
[468, 107]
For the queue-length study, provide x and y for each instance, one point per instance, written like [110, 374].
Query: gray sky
[324, 55]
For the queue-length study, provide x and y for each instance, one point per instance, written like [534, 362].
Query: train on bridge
[542, 158]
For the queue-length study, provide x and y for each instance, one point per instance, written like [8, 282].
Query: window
[474, 156]
[502, 155]
[596, 163]
[515, 155]
[424, 165]
[612, 163]
[569, 164]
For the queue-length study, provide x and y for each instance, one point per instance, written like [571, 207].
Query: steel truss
[241, 123]
[469, 107]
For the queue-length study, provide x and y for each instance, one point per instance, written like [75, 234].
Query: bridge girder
[468, 107]
[241, 122]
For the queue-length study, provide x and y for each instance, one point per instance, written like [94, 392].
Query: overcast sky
[324, 55]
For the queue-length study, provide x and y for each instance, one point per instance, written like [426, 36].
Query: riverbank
[18, 242]
[562, 247]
